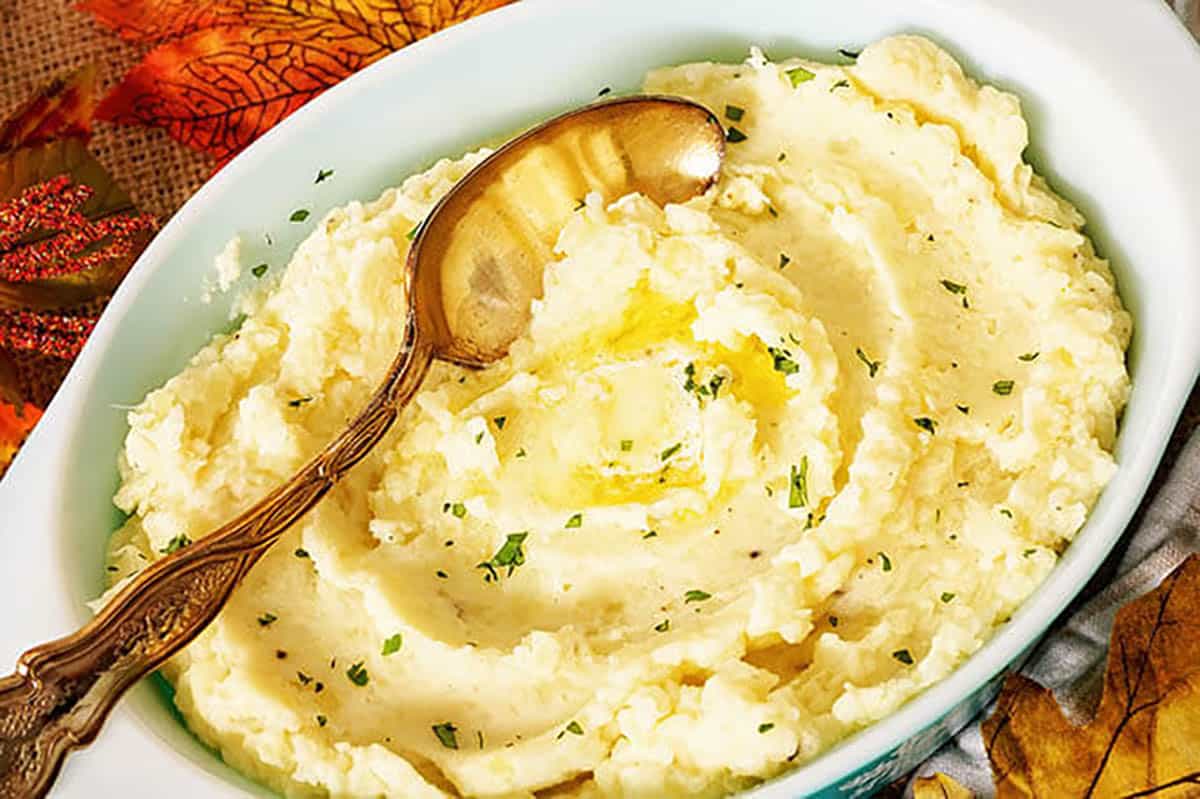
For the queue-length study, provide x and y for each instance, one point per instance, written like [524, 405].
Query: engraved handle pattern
[63, 690]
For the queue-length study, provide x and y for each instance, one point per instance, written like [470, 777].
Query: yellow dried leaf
[1145, 737]
[939, 786]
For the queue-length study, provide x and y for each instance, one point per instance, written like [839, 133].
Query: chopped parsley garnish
[576, 520]
[1029, 356]
[798, 485]
[510, 556]
[392, 645]
[782, 361]
[301, 552]
[947, 597]
[296, 403]
[733, 135]
[500, 420]
[885, 561]
[734, 112]
[841, 84]
[701, 390]
[520, 453]
[322, 721]
[963, 409]
[650, 534]
[267, 619]
[954, 288]
[872, 366]
[626, 444]
[903, 656]
[580, 204]
[689, 373]
[669, 451]
[323, 175]
[771, 210]
[1003, 387]
[767, 727]
[798, 75]
[175, 544]
[458, 510]
[358, 674]
[604, 91]
[259, 270]
[849, 53]
[663, 626]
[299, 215]
[304, 678]
[479, 437]
[1006, 512]
[925, 423]
[412, 234]
[696, 595]
[574, 728]
[446, 735]
[1028, 552]
[784, 260]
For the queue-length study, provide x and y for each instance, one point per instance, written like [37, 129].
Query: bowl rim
[926, 708]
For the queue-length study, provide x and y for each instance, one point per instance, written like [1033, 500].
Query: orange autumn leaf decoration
[68, 234]
[63, 109]
[15, 424]
[1145, 737]
[222, 72]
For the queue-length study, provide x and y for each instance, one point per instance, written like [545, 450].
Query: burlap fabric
[44, 39]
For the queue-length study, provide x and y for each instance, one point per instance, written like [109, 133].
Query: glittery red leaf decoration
[68, 234]
[77, 243]
[62, 110]
[225, 71]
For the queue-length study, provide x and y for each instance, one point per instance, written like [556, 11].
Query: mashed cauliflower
[764, 466]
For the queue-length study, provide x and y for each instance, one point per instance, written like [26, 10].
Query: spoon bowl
[473, 269]
[476, 263]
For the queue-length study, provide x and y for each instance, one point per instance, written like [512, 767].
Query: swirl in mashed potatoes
[764, 466]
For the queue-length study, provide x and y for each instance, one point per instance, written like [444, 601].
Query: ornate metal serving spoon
[472, 270]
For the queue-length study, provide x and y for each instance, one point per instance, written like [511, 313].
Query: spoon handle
[63, 690]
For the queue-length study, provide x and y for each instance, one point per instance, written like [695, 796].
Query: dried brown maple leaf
[1145, 737]
[68, 234]
[224, 71]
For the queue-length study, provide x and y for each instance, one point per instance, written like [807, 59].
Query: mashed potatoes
[764, 467]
